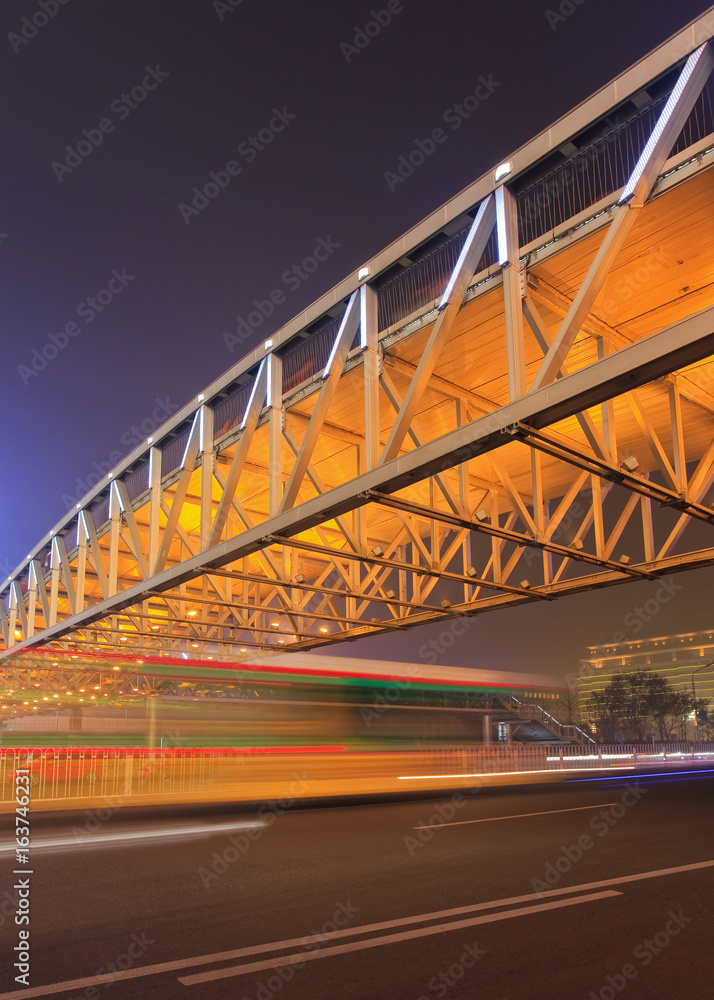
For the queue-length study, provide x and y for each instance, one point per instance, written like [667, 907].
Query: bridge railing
[593, 172]
[564, 731]
[114, 777]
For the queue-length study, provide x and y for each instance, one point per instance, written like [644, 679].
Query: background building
[679, 658]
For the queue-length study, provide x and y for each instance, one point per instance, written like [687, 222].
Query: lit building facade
[679, 658]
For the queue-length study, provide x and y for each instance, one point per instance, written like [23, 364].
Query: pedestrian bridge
[511, 403]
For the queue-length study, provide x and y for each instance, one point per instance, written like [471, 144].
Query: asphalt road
[526, 894]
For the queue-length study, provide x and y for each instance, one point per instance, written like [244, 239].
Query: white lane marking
[495, 819]
[146, 836]
[514, 774]
[299, 957]
[224, 956]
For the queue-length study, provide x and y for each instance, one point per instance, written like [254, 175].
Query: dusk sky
[106, 253]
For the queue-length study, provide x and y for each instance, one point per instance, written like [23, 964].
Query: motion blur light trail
[135, 837]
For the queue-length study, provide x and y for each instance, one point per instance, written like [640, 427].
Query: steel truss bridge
[513, 402]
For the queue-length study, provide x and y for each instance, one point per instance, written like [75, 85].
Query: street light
[694, 690]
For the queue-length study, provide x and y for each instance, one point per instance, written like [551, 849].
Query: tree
[637, 704]
[568, 707]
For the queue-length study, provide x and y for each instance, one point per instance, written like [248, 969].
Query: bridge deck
[545, 427]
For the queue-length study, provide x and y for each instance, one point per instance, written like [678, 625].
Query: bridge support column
[274, 401]
[369, 340]
[487, 727]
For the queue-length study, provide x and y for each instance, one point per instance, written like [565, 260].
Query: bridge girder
[526, 421]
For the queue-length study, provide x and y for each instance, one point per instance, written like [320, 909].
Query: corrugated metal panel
[309, 357]
[138, 481]
[230, 411]
[100, 512]
[601, 168]
[426, 280]
[172, 454]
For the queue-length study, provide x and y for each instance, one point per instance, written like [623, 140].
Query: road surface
[599, 888]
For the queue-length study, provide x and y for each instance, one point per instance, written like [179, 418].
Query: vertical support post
[5, 623]
[547, 556]
[205, 446]
[675, 412]
[154, 503]
[596, 484]
[462, 418]
[274, 402]
[13, 613]
[403, 574]
[509, 260]
[31, 601]
[647, 528]
[537, 486]
[81, 565]
[496, 542]
[54, 582]
[128, 773]
[369, 340]
[607, 409]
[114, 531]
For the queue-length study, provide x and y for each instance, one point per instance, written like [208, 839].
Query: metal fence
[140, 775]
[524, 758]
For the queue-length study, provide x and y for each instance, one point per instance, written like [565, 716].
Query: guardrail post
[128, 774]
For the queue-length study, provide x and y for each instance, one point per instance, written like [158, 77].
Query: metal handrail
[566, 731]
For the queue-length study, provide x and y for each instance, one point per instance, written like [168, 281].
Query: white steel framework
[543, 425]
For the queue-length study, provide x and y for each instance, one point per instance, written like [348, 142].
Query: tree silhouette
[639, 703]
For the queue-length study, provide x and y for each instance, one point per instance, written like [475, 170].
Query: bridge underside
[544, 425]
